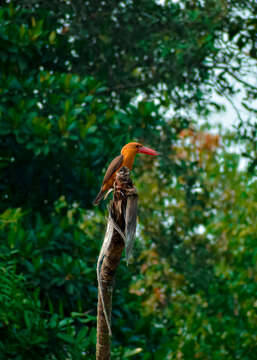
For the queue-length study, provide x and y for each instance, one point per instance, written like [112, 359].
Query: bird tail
[99, 197]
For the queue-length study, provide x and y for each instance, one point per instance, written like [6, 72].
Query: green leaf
[52, 37]
[66, 338]
[129, 353]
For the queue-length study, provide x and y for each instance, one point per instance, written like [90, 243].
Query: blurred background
[78, 80]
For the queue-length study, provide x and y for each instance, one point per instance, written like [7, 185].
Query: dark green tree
[77, 81]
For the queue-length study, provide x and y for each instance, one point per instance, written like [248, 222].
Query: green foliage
[52, 122]
[30, 331]
[42, 285]
[201, 282]
[70, 73]
[182, 48]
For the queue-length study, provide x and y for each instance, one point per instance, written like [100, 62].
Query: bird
[126, 158]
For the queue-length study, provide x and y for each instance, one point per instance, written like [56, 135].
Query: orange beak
[148, 151]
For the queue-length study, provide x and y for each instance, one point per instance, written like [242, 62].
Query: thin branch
[233, 105]
[236, 77]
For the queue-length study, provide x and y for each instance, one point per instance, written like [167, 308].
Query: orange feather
[127, 158]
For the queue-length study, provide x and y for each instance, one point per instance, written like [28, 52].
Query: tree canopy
[78, 80]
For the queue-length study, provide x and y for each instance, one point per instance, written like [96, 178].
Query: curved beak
[148, 151]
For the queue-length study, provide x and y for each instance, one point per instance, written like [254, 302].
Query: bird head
[134, 148]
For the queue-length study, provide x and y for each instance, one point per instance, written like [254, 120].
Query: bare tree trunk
[110, 256]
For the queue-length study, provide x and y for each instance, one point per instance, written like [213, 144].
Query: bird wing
[114, 165]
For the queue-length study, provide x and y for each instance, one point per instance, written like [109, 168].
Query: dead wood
[120, 232]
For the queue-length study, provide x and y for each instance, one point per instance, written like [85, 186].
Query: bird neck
[128, 159]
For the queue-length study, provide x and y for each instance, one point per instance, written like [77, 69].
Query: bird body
[126, 158]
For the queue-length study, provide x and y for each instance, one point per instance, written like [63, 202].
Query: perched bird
[126, 158]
